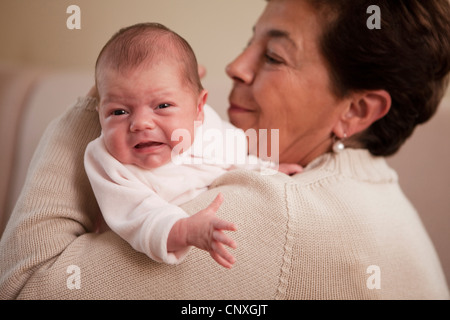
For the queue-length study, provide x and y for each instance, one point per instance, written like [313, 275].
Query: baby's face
[140, 108]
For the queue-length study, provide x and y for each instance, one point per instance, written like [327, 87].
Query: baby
[149, 88]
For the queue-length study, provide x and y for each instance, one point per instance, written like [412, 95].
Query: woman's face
[280, 81]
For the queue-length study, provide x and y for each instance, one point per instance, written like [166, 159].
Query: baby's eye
[118, 112]
[163, 105]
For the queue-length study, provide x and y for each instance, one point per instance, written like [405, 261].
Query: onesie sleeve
[130, 207]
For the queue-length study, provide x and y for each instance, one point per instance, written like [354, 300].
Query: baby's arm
[204, 230]
[130, 207]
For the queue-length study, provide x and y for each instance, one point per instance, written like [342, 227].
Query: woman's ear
[363, 109]
[202, 97]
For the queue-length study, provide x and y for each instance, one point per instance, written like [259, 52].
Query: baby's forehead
[146, 57]
[152, 76]
[164, 72]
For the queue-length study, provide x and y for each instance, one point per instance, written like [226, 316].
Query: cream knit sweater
[341, 230]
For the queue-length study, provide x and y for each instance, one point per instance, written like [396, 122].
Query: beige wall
[34, 32]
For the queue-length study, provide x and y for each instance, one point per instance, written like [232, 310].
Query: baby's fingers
[216, 203]
[223, 238]
[221, 255]
[290, 168]
[224, 263]
[220, 224]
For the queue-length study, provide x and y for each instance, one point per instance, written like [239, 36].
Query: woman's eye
[272, 60]
[163, 105]
[118, 112]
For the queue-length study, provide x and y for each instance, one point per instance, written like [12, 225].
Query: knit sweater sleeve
[49, 249]
[313, 236]
[130, 206]
[54, 191]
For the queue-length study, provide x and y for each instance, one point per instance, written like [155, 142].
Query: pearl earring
[338, 145]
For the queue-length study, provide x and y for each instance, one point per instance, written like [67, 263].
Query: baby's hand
[290, 168]
[205, 231]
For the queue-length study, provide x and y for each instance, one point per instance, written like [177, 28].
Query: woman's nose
[242, 69]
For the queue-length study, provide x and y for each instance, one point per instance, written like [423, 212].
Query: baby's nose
[142, 123]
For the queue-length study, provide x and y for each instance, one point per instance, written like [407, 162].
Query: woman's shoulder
[350, 164]
[350, 169]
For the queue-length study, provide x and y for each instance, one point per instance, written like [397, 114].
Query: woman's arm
[49, 249]
[56, 190]
[294, 241]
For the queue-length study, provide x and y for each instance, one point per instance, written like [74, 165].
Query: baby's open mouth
[147, 144]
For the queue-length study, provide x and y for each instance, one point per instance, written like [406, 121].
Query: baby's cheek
[118, 150]
[181, 139]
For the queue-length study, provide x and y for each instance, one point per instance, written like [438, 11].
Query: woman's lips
[238, 109]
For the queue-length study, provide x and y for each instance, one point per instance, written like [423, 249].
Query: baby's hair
[148, 43]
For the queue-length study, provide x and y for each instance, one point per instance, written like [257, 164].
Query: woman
[342, 96]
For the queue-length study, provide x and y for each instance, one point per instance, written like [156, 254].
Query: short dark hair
[409, 57]
[136, 44]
